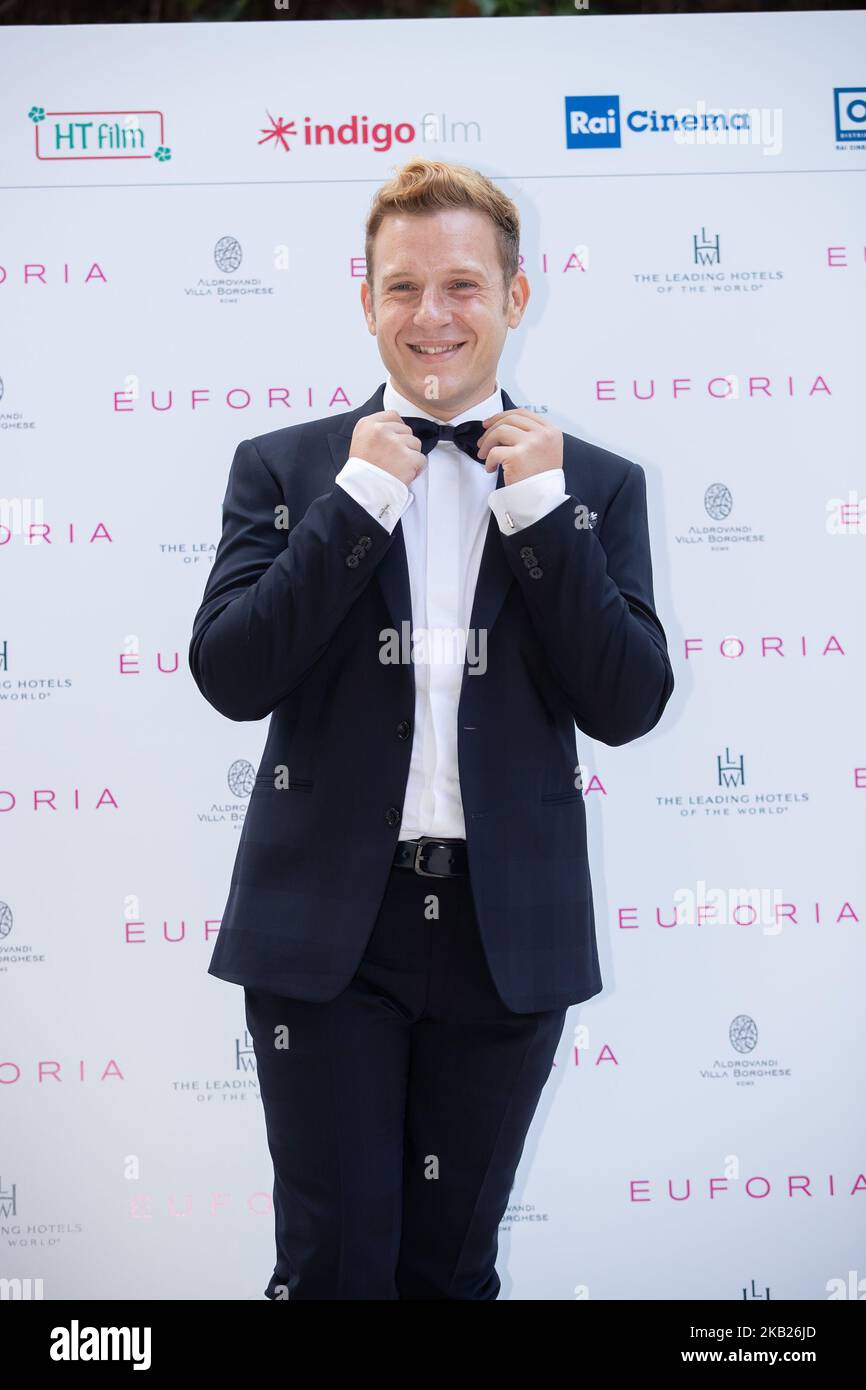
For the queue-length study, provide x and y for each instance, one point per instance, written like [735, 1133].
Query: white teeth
[437, 350]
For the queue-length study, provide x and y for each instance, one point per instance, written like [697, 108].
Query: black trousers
[397, 1113]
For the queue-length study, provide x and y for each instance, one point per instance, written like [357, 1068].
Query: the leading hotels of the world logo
[706, 276]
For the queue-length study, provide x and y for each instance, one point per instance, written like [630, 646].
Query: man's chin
[448, 400]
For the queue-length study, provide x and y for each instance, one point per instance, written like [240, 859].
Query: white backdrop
[697, 305]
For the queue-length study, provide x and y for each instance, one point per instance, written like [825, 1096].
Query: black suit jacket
[290, 626]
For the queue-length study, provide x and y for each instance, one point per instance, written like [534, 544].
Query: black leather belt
[431, 857]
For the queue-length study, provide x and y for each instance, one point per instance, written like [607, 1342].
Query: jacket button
[352, 561]
[404, 728]
[365, 541]
[536, 573]
[392, 816]
[524, 551]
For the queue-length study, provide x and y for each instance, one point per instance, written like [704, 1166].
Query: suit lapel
[392, 571]
[494, 574]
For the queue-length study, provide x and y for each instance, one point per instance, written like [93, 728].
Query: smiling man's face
[437, 281]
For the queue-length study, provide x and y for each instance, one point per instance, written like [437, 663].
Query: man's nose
[432, 309]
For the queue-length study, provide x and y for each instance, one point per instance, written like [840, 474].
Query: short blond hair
[426, 185]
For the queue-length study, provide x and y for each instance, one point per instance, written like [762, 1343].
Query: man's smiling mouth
[440, 350]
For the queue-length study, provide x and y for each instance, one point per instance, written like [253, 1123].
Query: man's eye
[469, 284]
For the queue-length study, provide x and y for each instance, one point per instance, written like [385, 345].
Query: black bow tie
[430, 432]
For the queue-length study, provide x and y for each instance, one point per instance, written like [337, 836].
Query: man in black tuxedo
[425, 594]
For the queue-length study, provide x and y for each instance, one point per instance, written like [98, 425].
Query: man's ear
[367, 302]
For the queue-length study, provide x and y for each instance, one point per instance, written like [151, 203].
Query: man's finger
[525, 420]
[507, 417]
[505, 432]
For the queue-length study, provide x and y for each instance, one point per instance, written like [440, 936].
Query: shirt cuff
[516, 505]
[381, 494]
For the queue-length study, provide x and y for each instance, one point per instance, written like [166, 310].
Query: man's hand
[385, 440]
[522, 443]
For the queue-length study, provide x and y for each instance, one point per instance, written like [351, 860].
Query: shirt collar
[392, 400]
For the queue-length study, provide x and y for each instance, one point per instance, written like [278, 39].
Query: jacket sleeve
[591, 601]
[272, 603]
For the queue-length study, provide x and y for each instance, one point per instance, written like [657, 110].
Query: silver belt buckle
[425, 873]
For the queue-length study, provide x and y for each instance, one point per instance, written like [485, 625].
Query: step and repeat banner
[181, 254]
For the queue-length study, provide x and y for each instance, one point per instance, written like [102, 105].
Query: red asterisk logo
[278, 131]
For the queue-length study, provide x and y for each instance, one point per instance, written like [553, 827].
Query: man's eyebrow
[459, 270]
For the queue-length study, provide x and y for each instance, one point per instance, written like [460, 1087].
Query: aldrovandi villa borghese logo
[99, 134]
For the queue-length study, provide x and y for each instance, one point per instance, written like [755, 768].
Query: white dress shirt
[445, 514]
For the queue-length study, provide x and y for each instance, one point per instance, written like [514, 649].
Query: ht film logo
[99, 134]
